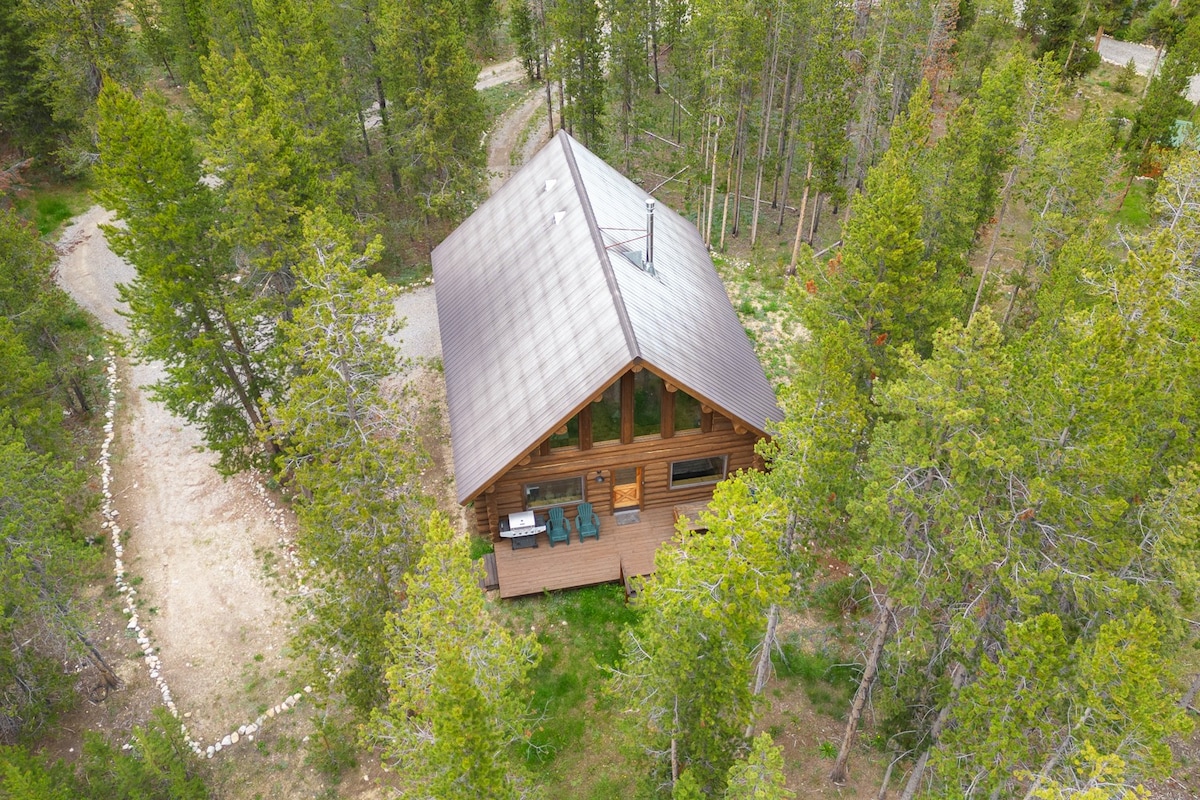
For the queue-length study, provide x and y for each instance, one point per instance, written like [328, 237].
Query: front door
[627, 488]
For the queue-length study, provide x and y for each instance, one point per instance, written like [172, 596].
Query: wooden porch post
[627, 408]
[667, 428]
[585, 428]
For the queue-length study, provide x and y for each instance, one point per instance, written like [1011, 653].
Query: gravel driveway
[1143, 56]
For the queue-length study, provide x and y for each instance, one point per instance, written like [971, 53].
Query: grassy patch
[828, 682]
[1135, 211]
[49, 205]
[498, 99]
[480, 546]
[573, 751]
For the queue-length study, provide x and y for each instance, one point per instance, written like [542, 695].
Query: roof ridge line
[610, 277]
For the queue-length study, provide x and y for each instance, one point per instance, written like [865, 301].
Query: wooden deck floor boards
[621, 551]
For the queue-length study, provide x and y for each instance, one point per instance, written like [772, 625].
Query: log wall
[653, 453]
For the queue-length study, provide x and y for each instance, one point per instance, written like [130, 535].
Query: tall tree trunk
[878, 639]
[957, 677]
[1153, 70]
[1009, 182]
[739, 145]
[764, 131]
[712, 182]
[816, 216]
[866, 146]
[803, 207]
[763, 670]
[783, 145]
[654, 44]
[381, 98]
[725, 210]
[362, 127]
[787, 179]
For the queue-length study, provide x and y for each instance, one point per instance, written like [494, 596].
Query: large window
[647, 404]
[569, 438]
[697, 471]
[606, 415]
[563, 491]
[687, 412]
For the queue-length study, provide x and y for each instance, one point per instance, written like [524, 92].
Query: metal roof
[540, 310]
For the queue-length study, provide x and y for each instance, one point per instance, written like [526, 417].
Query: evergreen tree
[439, 122]
[686, 670]
[188, 307]
[1061, 34]
[45, 345]
[1164, 101]
[881, 283]
[187, 29]
[27, 118]
[521, 28]
[1063, 188]
[626, 26]
[455, 682]
[48, 327]
[576, 63]
[760, 775]
[78, 43]
[352, 456]
[41, 502]
[158, 766]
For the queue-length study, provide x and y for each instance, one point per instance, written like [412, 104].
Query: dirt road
[496, 74]
[210, 556]
[201, 545]
[1144, 57]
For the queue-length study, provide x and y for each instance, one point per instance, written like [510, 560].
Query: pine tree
[186, 308]
[626, 26]
[455, 682]
[881, 282]
[1164, 102]
[80, 43]
[521, 30]
[1062, 35]
[687, 663]
[352, 456]
[49, 328]
[26, 104]
[760, 775]
[438, 122]
[41, 502]
[576, 63]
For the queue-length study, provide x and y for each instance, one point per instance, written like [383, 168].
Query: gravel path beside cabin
[1144, 57]
[211, 555]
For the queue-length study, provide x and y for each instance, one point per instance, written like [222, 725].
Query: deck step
[490, 580]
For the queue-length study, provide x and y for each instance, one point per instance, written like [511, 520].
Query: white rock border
[153, 662]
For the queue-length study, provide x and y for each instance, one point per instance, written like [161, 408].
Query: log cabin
[592, 357]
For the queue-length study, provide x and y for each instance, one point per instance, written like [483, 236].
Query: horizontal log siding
[653, 454]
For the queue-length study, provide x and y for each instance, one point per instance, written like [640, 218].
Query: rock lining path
[191, 572]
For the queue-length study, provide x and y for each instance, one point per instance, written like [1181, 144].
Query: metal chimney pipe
[650, 235]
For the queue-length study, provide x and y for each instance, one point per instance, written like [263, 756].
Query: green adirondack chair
[557, 527]
[587, 523]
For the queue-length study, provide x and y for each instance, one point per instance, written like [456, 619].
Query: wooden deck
[620, 552]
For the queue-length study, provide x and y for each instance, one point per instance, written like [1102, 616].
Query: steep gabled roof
[540, 310]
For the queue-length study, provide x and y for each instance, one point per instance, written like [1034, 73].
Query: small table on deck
[524, 535]
[692, 512]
